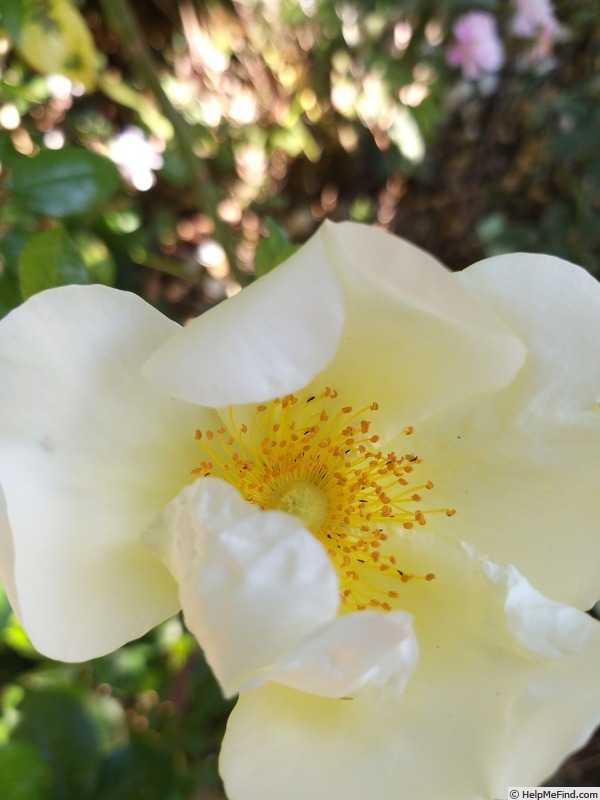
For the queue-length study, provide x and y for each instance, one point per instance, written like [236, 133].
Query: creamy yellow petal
[352, 653]
[483, 710]
[88, 454]
[355, 309]
[522, 465]
[268, 340]
[253, 584]
[415, 341]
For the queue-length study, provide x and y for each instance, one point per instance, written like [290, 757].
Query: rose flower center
[320, 461]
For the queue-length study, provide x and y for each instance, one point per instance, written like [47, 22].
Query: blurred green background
[178, 148]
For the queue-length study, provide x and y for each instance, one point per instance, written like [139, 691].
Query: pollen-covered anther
[317, 459]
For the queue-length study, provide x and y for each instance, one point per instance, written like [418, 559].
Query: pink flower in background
[533, 16]
[535, 19]
[477, 48]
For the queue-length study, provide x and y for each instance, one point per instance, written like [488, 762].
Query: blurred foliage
[143, 723]
[177, 148]
[223, 115]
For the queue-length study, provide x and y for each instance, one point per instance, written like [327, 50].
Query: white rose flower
[341, 475]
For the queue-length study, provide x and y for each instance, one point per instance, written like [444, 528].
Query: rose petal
[521, 465]
[541, 625]
[89, 453]
[253, 584]
[268, 340]
[464, 725]
[413, 339]
[358, 650]
[554, 306]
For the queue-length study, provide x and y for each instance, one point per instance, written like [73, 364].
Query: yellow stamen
[318, 460]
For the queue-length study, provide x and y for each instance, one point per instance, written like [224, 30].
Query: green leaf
[8, 154]
[11, 245]
[56, 722]
[63, 183]
[5, 611]
[272, 250]
[15, 637]
[50, 259]
[11, 17]
[125, 95]
[97, 257]
[137, 770]
[53, 37]
[24, 774]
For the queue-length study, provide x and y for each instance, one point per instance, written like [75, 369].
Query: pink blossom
[535, 19]
[477, 48]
